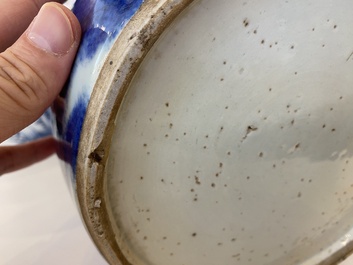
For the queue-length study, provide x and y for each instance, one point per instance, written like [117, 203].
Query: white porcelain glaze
[233, 144]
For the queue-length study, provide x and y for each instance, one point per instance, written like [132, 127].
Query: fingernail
[51, 30]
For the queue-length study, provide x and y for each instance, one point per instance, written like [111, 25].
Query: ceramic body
[204, 132]
[101, 23]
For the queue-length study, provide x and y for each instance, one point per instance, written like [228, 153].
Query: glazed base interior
[233, 144]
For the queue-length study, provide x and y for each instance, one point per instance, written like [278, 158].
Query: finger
[19, 156]
[15, 17]
[36, 66]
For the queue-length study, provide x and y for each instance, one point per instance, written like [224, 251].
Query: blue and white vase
[212, 132]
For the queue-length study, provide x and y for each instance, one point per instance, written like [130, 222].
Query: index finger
[19, 156]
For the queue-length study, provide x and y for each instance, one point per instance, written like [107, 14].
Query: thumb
[34, 69]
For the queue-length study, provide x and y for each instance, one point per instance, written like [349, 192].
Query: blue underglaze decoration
[38, 129]
[101, 20]
[73, 131]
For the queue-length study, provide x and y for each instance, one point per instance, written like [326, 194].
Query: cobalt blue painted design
[73, 131]
[39, 129]
[101, 22]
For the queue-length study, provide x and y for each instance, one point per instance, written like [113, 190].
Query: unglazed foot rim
[122, 62]
[115, 78]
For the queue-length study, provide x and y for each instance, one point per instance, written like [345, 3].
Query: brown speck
[224, 62]
[313, 29]
[111, 62]
[255, 31]
[226, 107]
[292, 47]
[331, 109]
[170, 125]
[229, 153]
[233, 239]
[162, 180]
[205, 147]
[194, 234]
[333, 130]
[299, 194]
[213, 185]
[221, 129]
[248, 177]
[335, 26]
[167, 104]
[144, 145]
[250, 129]
[222, 79]
[197, 180]
[145, 238]
[262, 41]
[292, 122]
[324, 126]
[245, 22]
[220, 164]
[261, 154]
[166, 136]
[297, 146]
[141, 178]
[219, 244]
[270, 89]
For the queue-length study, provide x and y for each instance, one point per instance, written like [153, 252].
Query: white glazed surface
[235, 145]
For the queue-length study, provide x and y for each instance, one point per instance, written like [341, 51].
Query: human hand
[34, 65]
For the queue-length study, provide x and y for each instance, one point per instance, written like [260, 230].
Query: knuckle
[20, 82]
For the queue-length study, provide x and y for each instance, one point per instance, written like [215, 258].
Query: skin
[31, 77]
